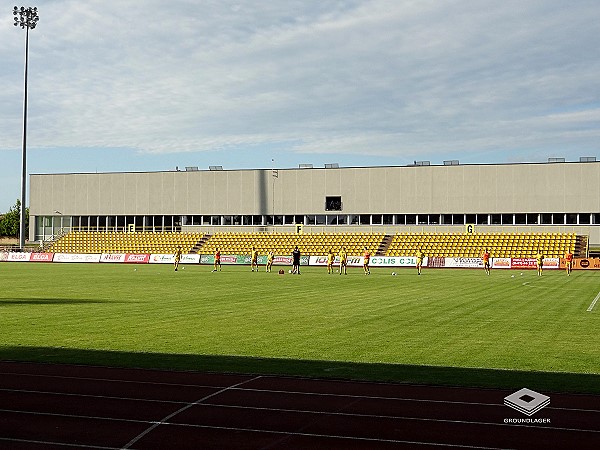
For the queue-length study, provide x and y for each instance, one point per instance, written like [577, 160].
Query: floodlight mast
[26, 18]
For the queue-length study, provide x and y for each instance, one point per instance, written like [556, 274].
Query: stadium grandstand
[447, 210]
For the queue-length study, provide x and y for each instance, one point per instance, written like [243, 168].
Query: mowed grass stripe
[451, 318]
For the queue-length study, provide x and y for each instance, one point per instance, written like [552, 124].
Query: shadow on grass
[51, 301]
[431, 375]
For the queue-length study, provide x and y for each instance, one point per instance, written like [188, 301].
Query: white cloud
[375, 77]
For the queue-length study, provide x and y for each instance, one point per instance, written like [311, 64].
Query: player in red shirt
[569, 262]
[217, 260]
[486, 261]
[366, 259]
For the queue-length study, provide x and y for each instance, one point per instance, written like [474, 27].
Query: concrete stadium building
[552, 197]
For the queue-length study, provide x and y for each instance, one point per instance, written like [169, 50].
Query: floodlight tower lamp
[27, 19]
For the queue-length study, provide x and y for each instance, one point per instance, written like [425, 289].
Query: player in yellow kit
[254, 259]
[330, 260]
[270, 257]
[177, 258]
[419, 256]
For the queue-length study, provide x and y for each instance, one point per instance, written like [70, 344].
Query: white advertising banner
[112, 257]
[501, 263]
[551, 263]
[19, 257]
[77, 257]
[464, 262]
[396, 261]
[162, 258]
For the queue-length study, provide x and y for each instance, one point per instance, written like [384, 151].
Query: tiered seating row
[516, 245]
[111, 242]
[500, 245]
[284, 243]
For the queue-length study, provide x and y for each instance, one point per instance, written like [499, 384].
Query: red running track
[44, 406]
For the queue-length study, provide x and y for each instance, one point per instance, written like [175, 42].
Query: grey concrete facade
[571, 189]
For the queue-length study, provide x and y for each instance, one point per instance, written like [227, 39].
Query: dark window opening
[333, 203]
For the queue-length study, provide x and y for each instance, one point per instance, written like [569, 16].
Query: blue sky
[151, 85]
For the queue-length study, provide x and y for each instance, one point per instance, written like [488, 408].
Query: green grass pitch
[447, 326]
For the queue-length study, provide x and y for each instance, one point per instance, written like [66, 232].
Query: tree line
[9, 222]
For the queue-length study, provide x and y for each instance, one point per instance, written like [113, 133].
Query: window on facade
[320, 220]
[388, 219]
[257, 220]
[310, 220]
[520, 219]
[507, 219]
[482, 219]
[278, 220]
[341, 220]
[422, 219]
[447, 219]
[546, 219]
[558, 219]
[584, 218]
[376, 219]
[333, 203]
[458, 219]
[471, 218]
[572, 219]
[532, 219]
[227, 220]
[332, 220]
[365, 219]
[434, 219]
[400, 219]
[496, 219]
[596, 218]
[411, 219]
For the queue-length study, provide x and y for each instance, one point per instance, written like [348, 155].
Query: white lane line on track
[348, 438]
[304, 393]
[180, 410]
[591, 307]
[62, 444]
[112, 380]
[153, 424]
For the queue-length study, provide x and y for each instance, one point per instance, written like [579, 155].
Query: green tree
[9, 223]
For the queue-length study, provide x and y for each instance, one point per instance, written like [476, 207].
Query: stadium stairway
[581, 246]
[385, 245]
[200, 243]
